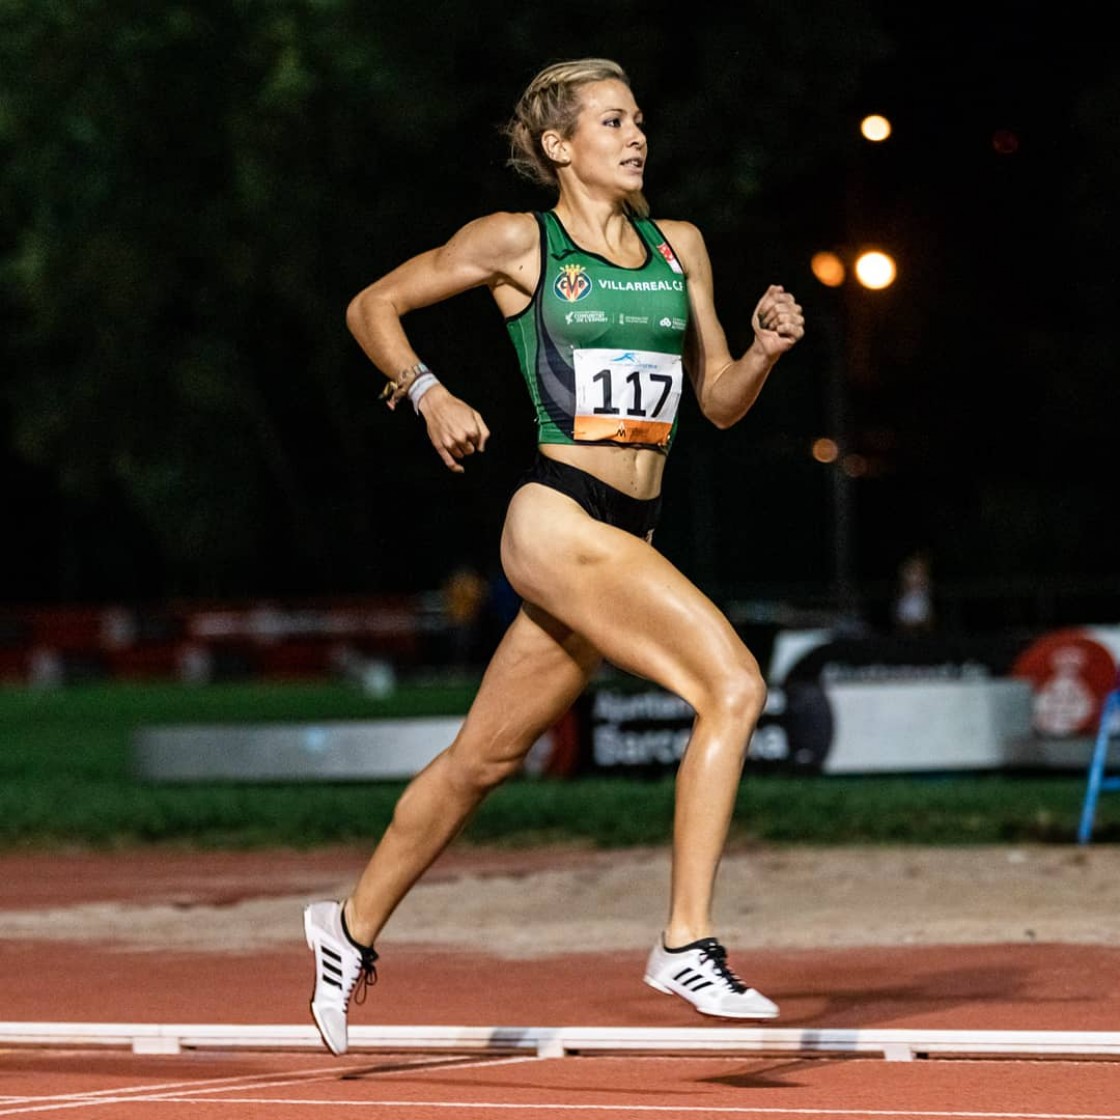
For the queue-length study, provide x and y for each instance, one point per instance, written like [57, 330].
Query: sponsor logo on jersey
[670, 259]
[572, 283]
[595, 315]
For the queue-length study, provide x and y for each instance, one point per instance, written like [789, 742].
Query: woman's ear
[555, 147]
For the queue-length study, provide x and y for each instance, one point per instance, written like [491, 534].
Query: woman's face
[608, 147]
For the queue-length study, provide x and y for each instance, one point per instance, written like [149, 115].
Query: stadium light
[875, 127]
[875, 269]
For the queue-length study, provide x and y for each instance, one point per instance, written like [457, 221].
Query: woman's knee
[738, 694]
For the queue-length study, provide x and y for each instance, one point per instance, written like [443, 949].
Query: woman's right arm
[496, 251]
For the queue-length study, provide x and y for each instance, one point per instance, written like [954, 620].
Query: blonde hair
[552, 101]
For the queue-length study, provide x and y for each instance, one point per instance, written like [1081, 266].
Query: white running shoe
[700, 974]
[342, 968]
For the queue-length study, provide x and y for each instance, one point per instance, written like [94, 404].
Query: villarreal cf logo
[572, 283]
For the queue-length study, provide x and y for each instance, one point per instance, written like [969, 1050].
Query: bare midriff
[635, 471]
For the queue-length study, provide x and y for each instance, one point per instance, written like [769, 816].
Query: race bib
[627, 396]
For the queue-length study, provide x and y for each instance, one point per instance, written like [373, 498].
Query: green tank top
[600, 346]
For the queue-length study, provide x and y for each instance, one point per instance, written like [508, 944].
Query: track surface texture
[866, 939]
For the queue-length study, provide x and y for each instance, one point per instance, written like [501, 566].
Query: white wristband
[419, 387]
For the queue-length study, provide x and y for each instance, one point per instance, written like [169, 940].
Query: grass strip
[66, 778]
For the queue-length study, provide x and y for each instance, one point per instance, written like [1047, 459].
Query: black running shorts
[604, 503]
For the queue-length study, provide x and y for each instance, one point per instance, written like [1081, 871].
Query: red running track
[984, 988]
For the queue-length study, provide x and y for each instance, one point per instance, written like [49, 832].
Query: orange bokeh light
[825, 450]
[828, 268]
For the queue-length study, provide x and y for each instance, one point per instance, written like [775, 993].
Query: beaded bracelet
[400, 387]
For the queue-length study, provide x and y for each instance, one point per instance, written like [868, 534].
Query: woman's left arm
[727, 387]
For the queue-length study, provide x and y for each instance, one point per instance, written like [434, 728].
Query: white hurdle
[557, 1042]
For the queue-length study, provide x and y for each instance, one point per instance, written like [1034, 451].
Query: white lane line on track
[143, 1092]
[154, 1093]
[439, 1066]
[663, 1110]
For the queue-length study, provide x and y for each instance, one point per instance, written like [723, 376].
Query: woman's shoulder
[496, 241]
[679, 229]
[502, 245]
[506, 229]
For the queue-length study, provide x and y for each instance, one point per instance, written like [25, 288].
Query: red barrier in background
[202, 641]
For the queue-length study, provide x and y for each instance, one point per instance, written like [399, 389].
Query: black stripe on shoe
[693, 980]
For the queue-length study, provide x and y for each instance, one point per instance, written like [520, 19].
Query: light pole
[854, 270]
[873, 270]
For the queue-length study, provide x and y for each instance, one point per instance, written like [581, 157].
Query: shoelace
[366, 978]
[713, 951]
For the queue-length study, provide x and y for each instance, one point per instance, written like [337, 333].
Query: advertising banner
[836, 705]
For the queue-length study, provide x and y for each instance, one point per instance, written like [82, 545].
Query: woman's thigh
[621, 595]
[538, 670]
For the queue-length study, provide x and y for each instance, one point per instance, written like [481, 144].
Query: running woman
[608, 312]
